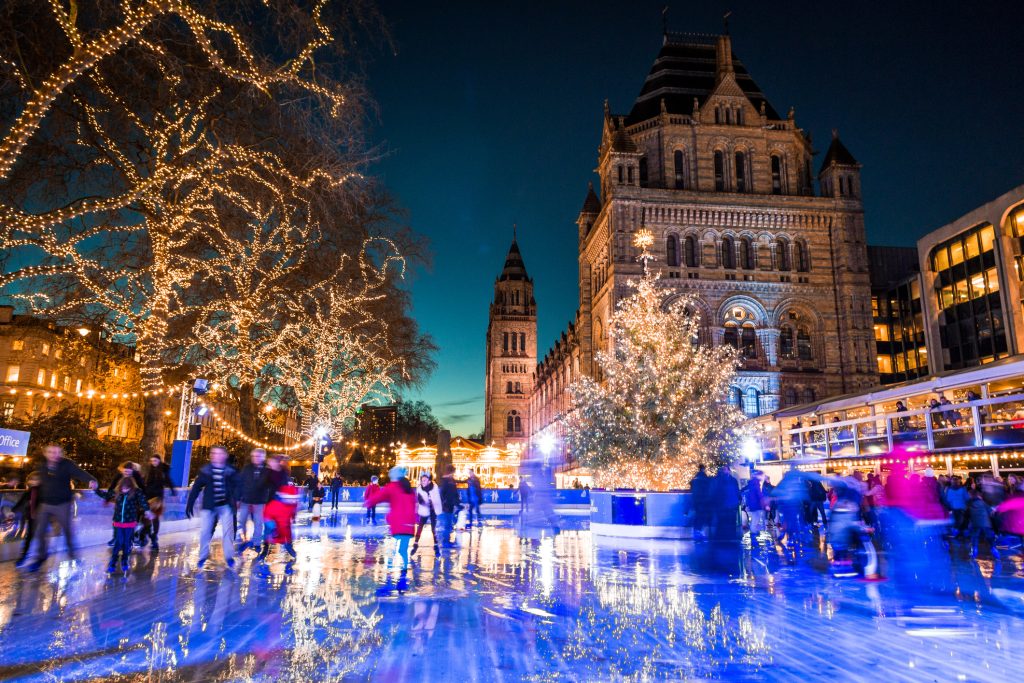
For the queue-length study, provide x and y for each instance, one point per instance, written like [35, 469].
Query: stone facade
[724, 183]
[511, 355]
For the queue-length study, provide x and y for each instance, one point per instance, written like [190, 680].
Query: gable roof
[684, 69]
[838, 154]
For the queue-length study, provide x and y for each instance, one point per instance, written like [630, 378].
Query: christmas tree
[657, 408]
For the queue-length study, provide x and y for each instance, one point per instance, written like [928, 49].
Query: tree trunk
[249, 414]
[153, 441]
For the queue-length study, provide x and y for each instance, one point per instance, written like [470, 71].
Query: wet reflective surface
[502, 608]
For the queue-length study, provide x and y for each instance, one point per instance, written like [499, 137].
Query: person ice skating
[428, 507]
[524, 496]
[55, 497]
[450, 504]
[700, 487]
[756, 504]
[28, 507]
[401, 521]
[276, 474]
[318, 500]
[725, 491]
[125, 469]
[218, 482]
[155, 480]
[311, 484]
[981, 524]
[474, 497]
[253, 496]
[129, 505]
[278, 516]
[336, 484]
[370, 492]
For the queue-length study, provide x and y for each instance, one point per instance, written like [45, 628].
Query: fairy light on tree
[660, 408]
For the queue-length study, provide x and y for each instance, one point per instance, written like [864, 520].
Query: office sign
[13, 442]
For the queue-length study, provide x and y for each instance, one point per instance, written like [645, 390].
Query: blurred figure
[956, 499]
[218, 483]
[475, 496]
[371, 490]
[524, 496]
[277, 528]
[792, 498]
[816, 497]
[700, 489]
[156, 479]
[252, 498]
[450, 504]
[27, 507]
[428, 507]
[401, 519]
[726, 496]
[336, 484]
[756, 504]
[981, 525]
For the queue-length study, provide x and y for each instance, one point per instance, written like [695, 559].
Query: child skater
[401, 519]
[278, 516]
[129, 503]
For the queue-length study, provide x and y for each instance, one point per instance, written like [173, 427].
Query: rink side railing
[984, 424]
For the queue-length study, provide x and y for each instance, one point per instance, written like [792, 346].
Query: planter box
[641, 514]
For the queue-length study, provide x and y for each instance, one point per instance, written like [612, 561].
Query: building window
[782, 255]
[643, 172]
[508, 387]
[41, 377]
[739, 116]
[629, 175]
[803, 344]
[515, 342]
[78, 386]
[678, 162]
[67, 383]
[752, 402]
[504, 345]
[776, 174]
[719, 171]
[672, 250]
[746, 254]
[13, 373]
[44, 349]
[748, 342]
[809, 395]
[803, 257]
[522, 342]
[790, 396]
[17, 345]
[53, 380]
[786, 344]
[6, 409]
[741, 172]
[620, 174]
[513, 423]
[690, 252]
[728, 253]
[735, 396]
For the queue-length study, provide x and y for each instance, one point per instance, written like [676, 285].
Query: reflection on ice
[503, 606]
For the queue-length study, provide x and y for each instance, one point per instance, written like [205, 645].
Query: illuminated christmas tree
[657, 408]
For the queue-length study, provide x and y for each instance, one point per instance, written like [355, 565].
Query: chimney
[723, 58]
[6, 315]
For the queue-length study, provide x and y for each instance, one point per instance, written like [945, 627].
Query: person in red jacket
[370, 492]
[401, 519]
[278, 515]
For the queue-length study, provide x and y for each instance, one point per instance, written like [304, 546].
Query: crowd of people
[857, 514]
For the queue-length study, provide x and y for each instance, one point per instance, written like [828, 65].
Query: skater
[218, 482]
[524, 496]
[401, 519]
[318, 500]
[129, 504]
[277, 475]
[278, 516]
[336, 484]
[474, 496]
[981, 524]
[156, 479]
[55, 497]
[28, 507]
[311, 484]
[450, 505]
[253, 495]
[125, 469]
[725, 491]
[428, 506]
[370, 492]
[700, 487]
[756, 504]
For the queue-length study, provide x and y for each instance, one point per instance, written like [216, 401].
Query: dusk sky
[491, 115]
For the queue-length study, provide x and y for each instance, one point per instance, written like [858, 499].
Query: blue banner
[491, 496]
[13, 442]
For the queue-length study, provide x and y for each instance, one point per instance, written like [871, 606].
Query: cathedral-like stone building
[725, 184]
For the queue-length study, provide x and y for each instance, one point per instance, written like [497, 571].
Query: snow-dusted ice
[501, 608]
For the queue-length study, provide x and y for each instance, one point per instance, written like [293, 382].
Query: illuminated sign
[13, 442]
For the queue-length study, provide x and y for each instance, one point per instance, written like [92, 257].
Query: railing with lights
[986, 430]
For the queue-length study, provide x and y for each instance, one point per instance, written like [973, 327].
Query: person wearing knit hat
[401, 519]
[278, 516]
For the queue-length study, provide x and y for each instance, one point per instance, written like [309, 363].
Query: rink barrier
[641, 514]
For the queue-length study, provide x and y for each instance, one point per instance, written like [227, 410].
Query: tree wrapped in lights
[658, 410]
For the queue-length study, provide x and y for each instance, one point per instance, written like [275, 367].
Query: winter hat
[396, 473]
[288, 494]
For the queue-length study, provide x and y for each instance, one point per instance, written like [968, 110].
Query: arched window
[735, 396]
[690, 252]
[790, 398]
[719, 171]
[739, 116]
[519, 424]
[620, 174]
[718, 114]
[741, 172]
[732, 335]
[728, 253]
[752, 402]
[678, 162]
[748, 342]
[508, 387]
[803, 257]
[809, 395]
[643, 172]
[746, 254]
[672, 250]
[776, 174]
[513, 423]
[803, 344]
[782, 255]
[787, 341]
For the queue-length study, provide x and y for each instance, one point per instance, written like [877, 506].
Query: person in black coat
[474, 496]
[253, 495]
[219, 484]
[450, 505]
[725, 491]
[156, 478]
[336, 484]
[700, 499]
[129, 505]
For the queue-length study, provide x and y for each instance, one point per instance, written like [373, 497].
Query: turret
[588, 214]
[840, 173]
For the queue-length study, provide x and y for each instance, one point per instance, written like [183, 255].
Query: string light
[656, 411]
[249, 439]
